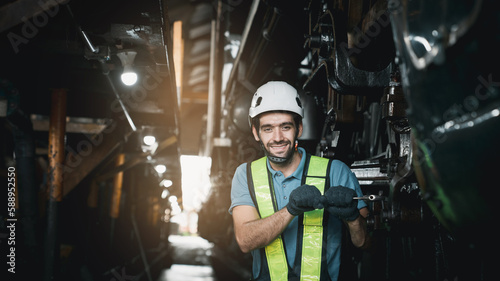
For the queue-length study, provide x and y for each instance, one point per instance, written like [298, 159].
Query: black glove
[338, 201]
[303, 199]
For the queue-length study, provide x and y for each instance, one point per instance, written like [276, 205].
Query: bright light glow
[195, 190]
[495, 112]
[149, 140]
[161, 168]
[164, 193]
[423, 41]
[172, 199]
[129, 78]
[195, 181]
[166, 183]
[176, 209]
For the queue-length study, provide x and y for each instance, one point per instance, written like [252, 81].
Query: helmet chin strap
[275, 159]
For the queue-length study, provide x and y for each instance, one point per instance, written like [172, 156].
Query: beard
[282, 159]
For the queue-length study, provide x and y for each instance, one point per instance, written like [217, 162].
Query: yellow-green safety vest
[316, 173]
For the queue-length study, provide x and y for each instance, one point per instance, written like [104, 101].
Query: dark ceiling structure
[73, 47]
[62, 96]
[96, 149]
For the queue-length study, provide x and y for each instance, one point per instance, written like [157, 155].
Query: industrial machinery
[405, 93]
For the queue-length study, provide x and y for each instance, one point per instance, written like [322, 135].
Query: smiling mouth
[279, 147]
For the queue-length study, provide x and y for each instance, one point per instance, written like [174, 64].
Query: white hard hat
[273, 96]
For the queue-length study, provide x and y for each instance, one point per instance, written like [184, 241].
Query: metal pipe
[117, 188]
[105, 71]
[244, 38]
[87, 41]
[85, 38]
[57, 130]
[116, 196]
[214, 81]
[212, 95]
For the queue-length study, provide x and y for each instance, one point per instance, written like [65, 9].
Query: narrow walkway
[191, 260]
[184, 272]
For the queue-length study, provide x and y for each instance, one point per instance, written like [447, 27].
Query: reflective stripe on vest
[312, 242]
[275, 252]
[313, 221]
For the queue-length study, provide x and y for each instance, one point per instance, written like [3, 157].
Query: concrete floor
[191, 260]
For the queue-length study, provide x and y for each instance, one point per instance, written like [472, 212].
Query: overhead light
[129, 78]
[166, 183]
[127, 57]
[161, 168]
[164, 193]
[149, 144]
[149, 140]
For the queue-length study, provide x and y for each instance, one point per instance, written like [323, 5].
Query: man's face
[277, 132]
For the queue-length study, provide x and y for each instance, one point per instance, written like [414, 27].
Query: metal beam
[108, 173]
[107, 143]
[135, 160]
[73, 124]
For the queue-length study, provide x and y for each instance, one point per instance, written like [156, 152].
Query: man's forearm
[359, 233]
[259, 233]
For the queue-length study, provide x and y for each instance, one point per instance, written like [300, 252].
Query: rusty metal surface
[57, 131]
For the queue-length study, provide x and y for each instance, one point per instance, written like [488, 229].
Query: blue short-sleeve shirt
[340, 174]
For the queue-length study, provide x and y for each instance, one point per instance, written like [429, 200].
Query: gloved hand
[303, 199]
[338, 202]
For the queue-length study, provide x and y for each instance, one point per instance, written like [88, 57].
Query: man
[288, 207]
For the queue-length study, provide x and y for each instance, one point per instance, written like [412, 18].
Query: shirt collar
[298, 172]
